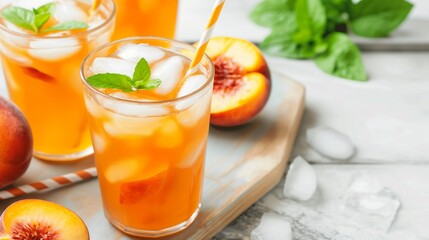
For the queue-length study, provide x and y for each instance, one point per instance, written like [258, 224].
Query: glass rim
[210, 67]
[84, 33]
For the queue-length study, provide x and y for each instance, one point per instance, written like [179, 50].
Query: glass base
[64, 157]
[154, 233]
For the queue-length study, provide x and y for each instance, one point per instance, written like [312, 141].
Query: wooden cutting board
[242, 165]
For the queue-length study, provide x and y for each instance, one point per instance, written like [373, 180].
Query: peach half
[39, 219]
[242, 83]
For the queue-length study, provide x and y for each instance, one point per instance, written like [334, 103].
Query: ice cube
[16, 56]
[30, 4]
[123, 169]
[192, 154]
[93, 107]
[192, 115]
[301, 180]
[169, 135]
[330, 143]
[134, 52]
[53, 49]
[190, 85]
[98, 141]
[125, 126]
[372, 204]
[272, 227]
[170, 73]
[136, 109]
[113, 65]
[67, 10]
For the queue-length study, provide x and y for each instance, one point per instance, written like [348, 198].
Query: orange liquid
[145, 18]
[49, 92]
[150, 168]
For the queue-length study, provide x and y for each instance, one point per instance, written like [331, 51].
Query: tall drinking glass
[146, 18]
[42, 74]
[150, 144]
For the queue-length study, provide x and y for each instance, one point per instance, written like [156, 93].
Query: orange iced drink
[41, 67]
[145, 18]
[149, 144]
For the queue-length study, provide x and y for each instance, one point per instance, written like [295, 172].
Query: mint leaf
[69, 25]
[111, 80]
[21, 17]
[372, 18]
[140, 81]
[148, 85]
[47, 8]
[41, 19]
[270, 13]
[342, 58]
[142, 71]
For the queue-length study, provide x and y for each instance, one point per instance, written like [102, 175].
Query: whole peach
[16, 143]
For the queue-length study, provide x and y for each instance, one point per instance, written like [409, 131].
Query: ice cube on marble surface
[330, 143]
[272, 227]
[53, 49]
[113, 65]
[301, 181]
[369, 202]
[134, 52]
[169, 72]
[67, 10]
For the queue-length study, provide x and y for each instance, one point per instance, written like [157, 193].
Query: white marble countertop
[386, 118]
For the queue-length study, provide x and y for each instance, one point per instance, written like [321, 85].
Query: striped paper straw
[94, 6]
[202, 45]
[49, 184]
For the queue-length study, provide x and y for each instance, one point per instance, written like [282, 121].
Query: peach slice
[134, 192]
[16, 143]
[39, 219]
[242, 82]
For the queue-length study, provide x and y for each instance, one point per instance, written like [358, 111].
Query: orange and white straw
[49, 184]
[94, 6]
[202, 45]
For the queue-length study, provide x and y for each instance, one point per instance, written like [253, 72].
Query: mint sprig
[36, 19]
[141, 79]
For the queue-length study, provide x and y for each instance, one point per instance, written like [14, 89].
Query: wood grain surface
[242, 165]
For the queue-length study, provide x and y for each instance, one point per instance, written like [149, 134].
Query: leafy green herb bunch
[305, 29]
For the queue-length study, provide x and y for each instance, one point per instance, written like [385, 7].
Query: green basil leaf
[69, 25]
[372, 18]
[269, 13]
[336, 14]
[142, 71]
[40, 20]
[21, 17]
[111, 80]
[342, 58]
[310, 16]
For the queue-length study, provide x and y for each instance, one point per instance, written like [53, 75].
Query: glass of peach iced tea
[149, 124]
[43, 43]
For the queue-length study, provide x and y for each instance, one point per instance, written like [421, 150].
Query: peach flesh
[242, 83]
[41, 220]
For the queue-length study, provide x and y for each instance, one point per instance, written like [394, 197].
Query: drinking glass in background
[145, 18]
[150, 145]
[42, 74]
